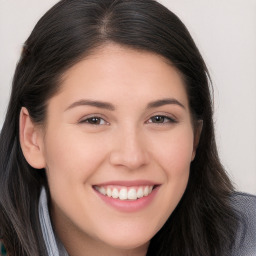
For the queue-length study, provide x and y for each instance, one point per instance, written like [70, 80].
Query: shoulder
[245, 208]
[244, 203]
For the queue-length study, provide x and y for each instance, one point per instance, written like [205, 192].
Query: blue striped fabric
[54, 248]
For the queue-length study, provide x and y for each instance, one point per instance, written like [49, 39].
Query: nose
[129, 150]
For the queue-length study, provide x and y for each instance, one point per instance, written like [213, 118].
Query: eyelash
[96, 120]
[165, 120]
[90, 121]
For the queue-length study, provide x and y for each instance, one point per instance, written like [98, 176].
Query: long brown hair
[203, 223]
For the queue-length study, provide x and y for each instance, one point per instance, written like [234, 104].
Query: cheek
[175, 153]
[72, 156]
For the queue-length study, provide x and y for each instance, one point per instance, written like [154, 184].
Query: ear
[197, 134]
[31, 140]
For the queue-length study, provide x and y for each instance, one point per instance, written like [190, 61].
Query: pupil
[94, 120]
[158, 119]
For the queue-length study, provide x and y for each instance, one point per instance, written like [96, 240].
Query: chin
[129, 243]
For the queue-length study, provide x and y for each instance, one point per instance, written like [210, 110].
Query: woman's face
[119, 128]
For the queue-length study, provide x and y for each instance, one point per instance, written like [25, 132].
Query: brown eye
[94, 121]
[158, 119]
[161, 120]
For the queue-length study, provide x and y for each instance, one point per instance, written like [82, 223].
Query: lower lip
[129, 205]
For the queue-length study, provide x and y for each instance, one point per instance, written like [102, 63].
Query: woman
[108, 144]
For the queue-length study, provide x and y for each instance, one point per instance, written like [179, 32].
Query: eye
[94, 120]
[160, 119]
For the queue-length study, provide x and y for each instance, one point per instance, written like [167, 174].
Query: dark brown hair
[203, 223]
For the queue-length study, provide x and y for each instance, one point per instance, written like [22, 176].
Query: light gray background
[225, 32]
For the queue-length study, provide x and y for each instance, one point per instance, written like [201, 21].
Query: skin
[126, 144]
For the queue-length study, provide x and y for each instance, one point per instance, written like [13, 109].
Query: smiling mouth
[125, 193]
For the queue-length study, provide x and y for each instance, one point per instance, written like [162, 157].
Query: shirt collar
[53, 245]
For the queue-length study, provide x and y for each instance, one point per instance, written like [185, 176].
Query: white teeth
[140, 193]
[102, 190]
[109, 192]
[146, 191]
[132, 195]
[125, 193]
[115, 193]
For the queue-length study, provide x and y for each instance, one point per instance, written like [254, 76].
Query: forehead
[114, 71]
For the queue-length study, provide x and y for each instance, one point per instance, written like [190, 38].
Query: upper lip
[129, 183]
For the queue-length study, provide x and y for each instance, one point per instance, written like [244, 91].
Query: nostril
[131, 160]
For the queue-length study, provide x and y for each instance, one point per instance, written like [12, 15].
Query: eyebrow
[109, 106]
[162, 102]
[93, 103]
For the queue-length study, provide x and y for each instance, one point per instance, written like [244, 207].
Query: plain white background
[225, 33]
